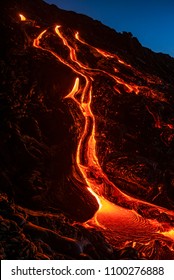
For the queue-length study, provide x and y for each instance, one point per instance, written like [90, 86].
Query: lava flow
[121, 224]
[22, 17]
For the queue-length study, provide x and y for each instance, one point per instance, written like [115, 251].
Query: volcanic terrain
[87, 139]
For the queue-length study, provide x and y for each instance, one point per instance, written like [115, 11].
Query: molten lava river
[129, 220]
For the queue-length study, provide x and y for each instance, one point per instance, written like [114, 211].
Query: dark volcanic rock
[36, 142]
[41, 199]
[36, 235]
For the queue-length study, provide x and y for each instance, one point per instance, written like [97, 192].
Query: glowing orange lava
[124, 224]
[22, 17]
[169, 233]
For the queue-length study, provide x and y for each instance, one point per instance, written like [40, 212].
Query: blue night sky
[151, 21]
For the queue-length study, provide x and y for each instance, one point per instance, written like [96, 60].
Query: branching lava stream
[121, 224]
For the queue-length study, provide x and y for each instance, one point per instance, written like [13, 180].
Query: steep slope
[87, 136]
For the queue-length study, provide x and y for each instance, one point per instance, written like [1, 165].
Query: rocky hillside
[43, 206]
